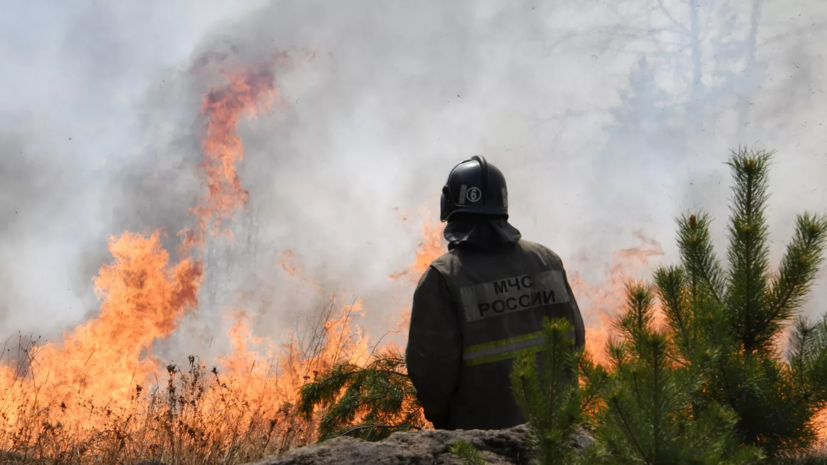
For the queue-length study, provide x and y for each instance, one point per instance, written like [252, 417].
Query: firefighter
[479, 305]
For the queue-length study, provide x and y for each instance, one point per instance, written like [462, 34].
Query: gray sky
[606, 117]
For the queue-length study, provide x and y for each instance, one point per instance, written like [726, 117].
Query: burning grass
[101, 396]
[239, 410]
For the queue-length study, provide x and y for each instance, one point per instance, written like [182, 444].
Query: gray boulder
[429, 447]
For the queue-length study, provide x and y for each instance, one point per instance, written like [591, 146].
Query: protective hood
[480, 231]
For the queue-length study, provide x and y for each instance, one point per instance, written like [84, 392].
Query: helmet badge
[473, 194]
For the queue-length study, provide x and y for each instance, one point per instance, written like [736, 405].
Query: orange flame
[431, 246]
[601, 303]
[144, 298]
[100, 363]
[270, 383]
[90, 386]
[820, 422]
[223, 149]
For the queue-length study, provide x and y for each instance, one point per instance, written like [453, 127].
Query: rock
[428, 447]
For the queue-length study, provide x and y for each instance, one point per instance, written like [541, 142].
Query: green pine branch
[706, 278]
[546, 391]
[799, 267]
[748, 249]
[808, 360]
[368, 402]
[671, 287]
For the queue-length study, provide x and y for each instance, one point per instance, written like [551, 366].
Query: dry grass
[195, 418]
[196, 415]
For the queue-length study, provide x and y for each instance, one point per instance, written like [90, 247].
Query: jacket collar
[480, 232]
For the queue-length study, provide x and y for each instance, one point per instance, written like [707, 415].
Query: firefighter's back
[501, 297]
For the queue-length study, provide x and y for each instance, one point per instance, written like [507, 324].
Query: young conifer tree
[647, 416]
[545, 389]
[731, 320]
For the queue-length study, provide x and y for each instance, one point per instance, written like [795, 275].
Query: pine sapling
[545, 388]
[648, 416]
[727, 322]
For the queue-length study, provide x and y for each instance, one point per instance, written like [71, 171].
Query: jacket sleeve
[579, 327]
[434, 352]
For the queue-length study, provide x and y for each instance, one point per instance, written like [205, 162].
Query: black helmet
[474, 186]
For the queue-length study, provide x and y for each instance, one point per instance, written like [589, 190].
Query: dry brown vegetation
[195, 414]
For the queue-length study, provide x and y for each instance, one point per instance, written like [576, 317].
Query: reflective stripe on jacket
[473, 312]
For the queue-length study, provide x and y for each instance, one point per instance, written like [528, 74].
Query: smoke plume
[607, 119]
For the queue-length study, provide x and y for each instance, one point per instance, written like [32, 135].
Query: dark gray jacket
[473, 311]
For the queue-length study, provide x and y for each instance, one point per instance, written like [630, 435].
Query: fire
[101, 385]
[431, 246]
[223, 149]
[268, 377]
[599, 304]
[93, 380]
[144, 298]
[820, 422]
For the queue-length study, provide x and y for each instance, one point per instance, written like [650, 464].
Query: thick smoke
[606, 118]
